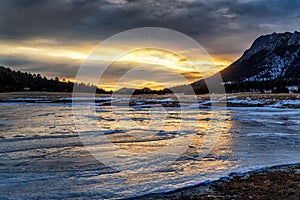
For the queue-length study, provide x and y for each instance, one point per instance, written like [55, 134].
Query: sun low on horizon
[39, 52]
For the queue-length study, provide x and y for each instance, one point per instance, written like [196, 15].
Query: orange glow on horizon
[54, 53]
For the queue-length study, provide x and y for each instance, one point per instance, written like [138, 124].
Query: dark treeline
[200, 87]
[271, 86]
[149, 91]
[16, 81]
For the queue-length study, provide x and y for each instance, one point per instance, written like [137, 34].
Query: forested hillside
[16, 81]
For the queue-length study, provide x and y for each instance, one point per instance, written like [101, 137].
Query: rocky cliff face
[270, 57]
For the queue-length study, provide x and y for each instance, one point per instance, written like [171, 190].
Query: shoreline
[281, 100]
[275, 182]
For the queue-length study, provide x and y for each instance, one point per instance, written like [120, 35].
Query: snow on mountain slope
[270, 57]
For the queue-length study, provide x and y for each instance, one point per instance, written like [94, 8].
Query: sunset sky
[53, 37]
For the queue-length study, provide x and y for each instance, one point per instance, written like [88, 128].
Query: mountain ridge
[270, 57]
[271, 64]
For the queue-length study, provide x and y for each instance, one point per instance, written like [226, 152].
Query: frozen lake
[42, 155]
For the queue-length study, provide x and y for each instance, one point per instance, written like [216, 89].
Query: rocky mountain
[271, 57]
[271, 64]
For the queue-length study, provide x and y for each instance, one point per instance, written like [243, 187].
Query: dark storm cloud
[98, 19]
[224, 27]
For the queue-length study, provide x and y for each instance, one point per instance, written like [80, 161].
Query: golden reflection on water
[202, 124]
[129, 134]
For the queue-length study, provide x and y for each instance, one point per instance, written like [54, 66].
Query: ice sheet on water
[167, 100]
[59, 166]
[46, 114]
[272, 134]
[279, 112]
[102, 132]
[27, 99]
[246, 101]
[85, 99]
[286, 102]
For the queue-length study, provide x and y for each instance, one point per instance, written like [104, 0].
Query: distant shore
[282, 100]
[278, 182]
